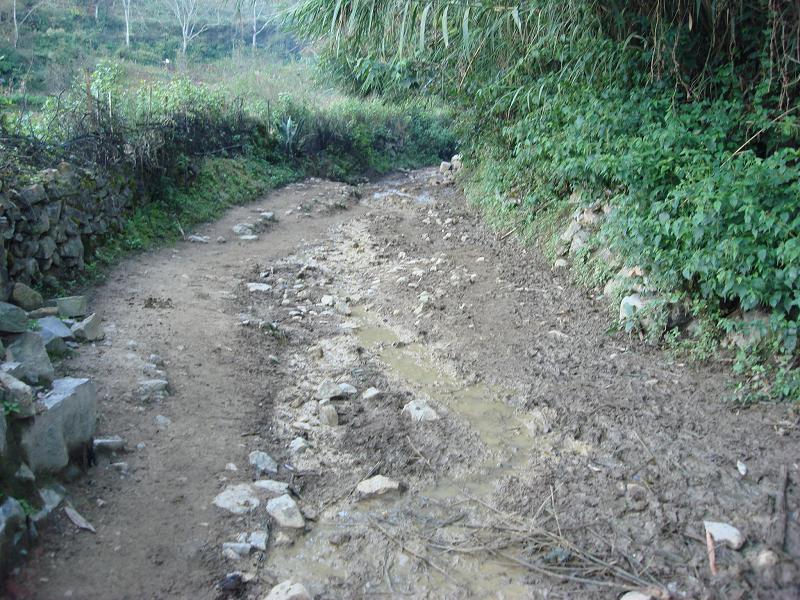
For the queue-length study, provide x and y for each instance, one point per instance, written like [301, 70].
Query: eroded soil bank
[552, 458]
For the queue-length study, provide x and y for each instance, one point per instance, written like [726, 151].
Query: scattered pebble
[723, 532]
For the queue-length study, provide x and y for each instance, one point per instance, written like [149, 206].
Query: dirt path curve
[538, 456]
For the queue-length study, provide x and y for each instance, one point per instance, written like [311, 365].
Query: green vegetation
[682, 116]
[232, 121]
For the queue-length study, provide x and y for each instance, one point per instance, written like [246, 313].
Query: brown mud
[566, 461]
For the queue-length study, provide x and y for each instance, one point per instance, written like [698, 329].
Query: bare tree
[19, 22]
[187, 14]
[126, 8]
[258, 9]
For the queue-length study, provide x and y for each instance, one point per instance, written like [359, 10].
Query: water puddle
[508, 443]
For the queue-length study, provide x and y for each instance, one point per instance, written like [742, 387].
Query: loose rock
[259, 539]
[371, 393]
[109, 445]
[288, 590]
[72, 306]
[418, 410]
[723, 532]
[263, 463]
[328, 415]
[286, 512]
[89, 330]
[298, 446]
[378, 485]
[238, 499]
[272, 488]
[19, 394]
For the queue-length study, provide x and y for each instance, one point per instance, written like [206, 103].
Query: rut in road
[536, 454]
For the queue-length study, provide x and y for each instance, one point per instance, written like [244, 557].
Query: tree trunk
[16, 25]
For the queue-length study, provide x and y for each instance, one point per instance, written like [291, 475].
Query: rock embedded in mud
[28, 349]
[327, 300]
[109, 445]
[376, 486]
[419, 411]
[151, 389]
[254, 287]
[198, 239]
[288, 590]
[243, 229]
[327, 390]
[723, 532]
[12, 318]
[298, 446]
[371, 394]
[89, 330]
[258, 540]
[328, 415]
[238, 499]
[286, 512]
[272, 488]
[263, 463]
[345, 389]
[236, 550]
[72, 306]
[162, 421]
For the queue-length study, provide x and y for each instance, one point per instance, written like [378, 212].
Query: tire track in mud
[562, 461]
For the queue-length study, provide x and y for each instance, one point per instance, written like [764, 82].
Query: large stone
[19, 394]
[12, 523]
[263, 463]
[28, 349]
[379, 485]
[72, 248]
[286, 512]
[65, 425]
[288, 590]
[12, 318]
[238, 499]
[89, 330]
[72, 306]
[25, 297]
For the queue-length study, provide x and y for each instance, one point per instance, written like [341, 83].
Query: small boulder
[258, 540]
[327, 390]
[89, 330]
[72, 306]
[286, 512]
[12, 318]
[25, 297]
[288, 590]
[379, 485]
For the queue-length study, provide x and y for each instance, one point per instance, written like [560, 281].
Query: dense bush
[683, 116]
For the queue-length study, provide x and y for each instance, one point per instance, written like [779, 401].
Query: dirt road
[536, 454]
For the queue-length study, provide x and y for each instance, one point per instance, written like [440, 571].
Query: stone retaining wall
[47, 223]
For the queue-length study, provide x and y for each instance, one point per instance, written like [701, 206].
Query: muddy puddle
[508, 443]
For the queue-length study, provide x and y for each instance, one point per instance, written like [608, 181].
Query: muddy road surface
[377, 396]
